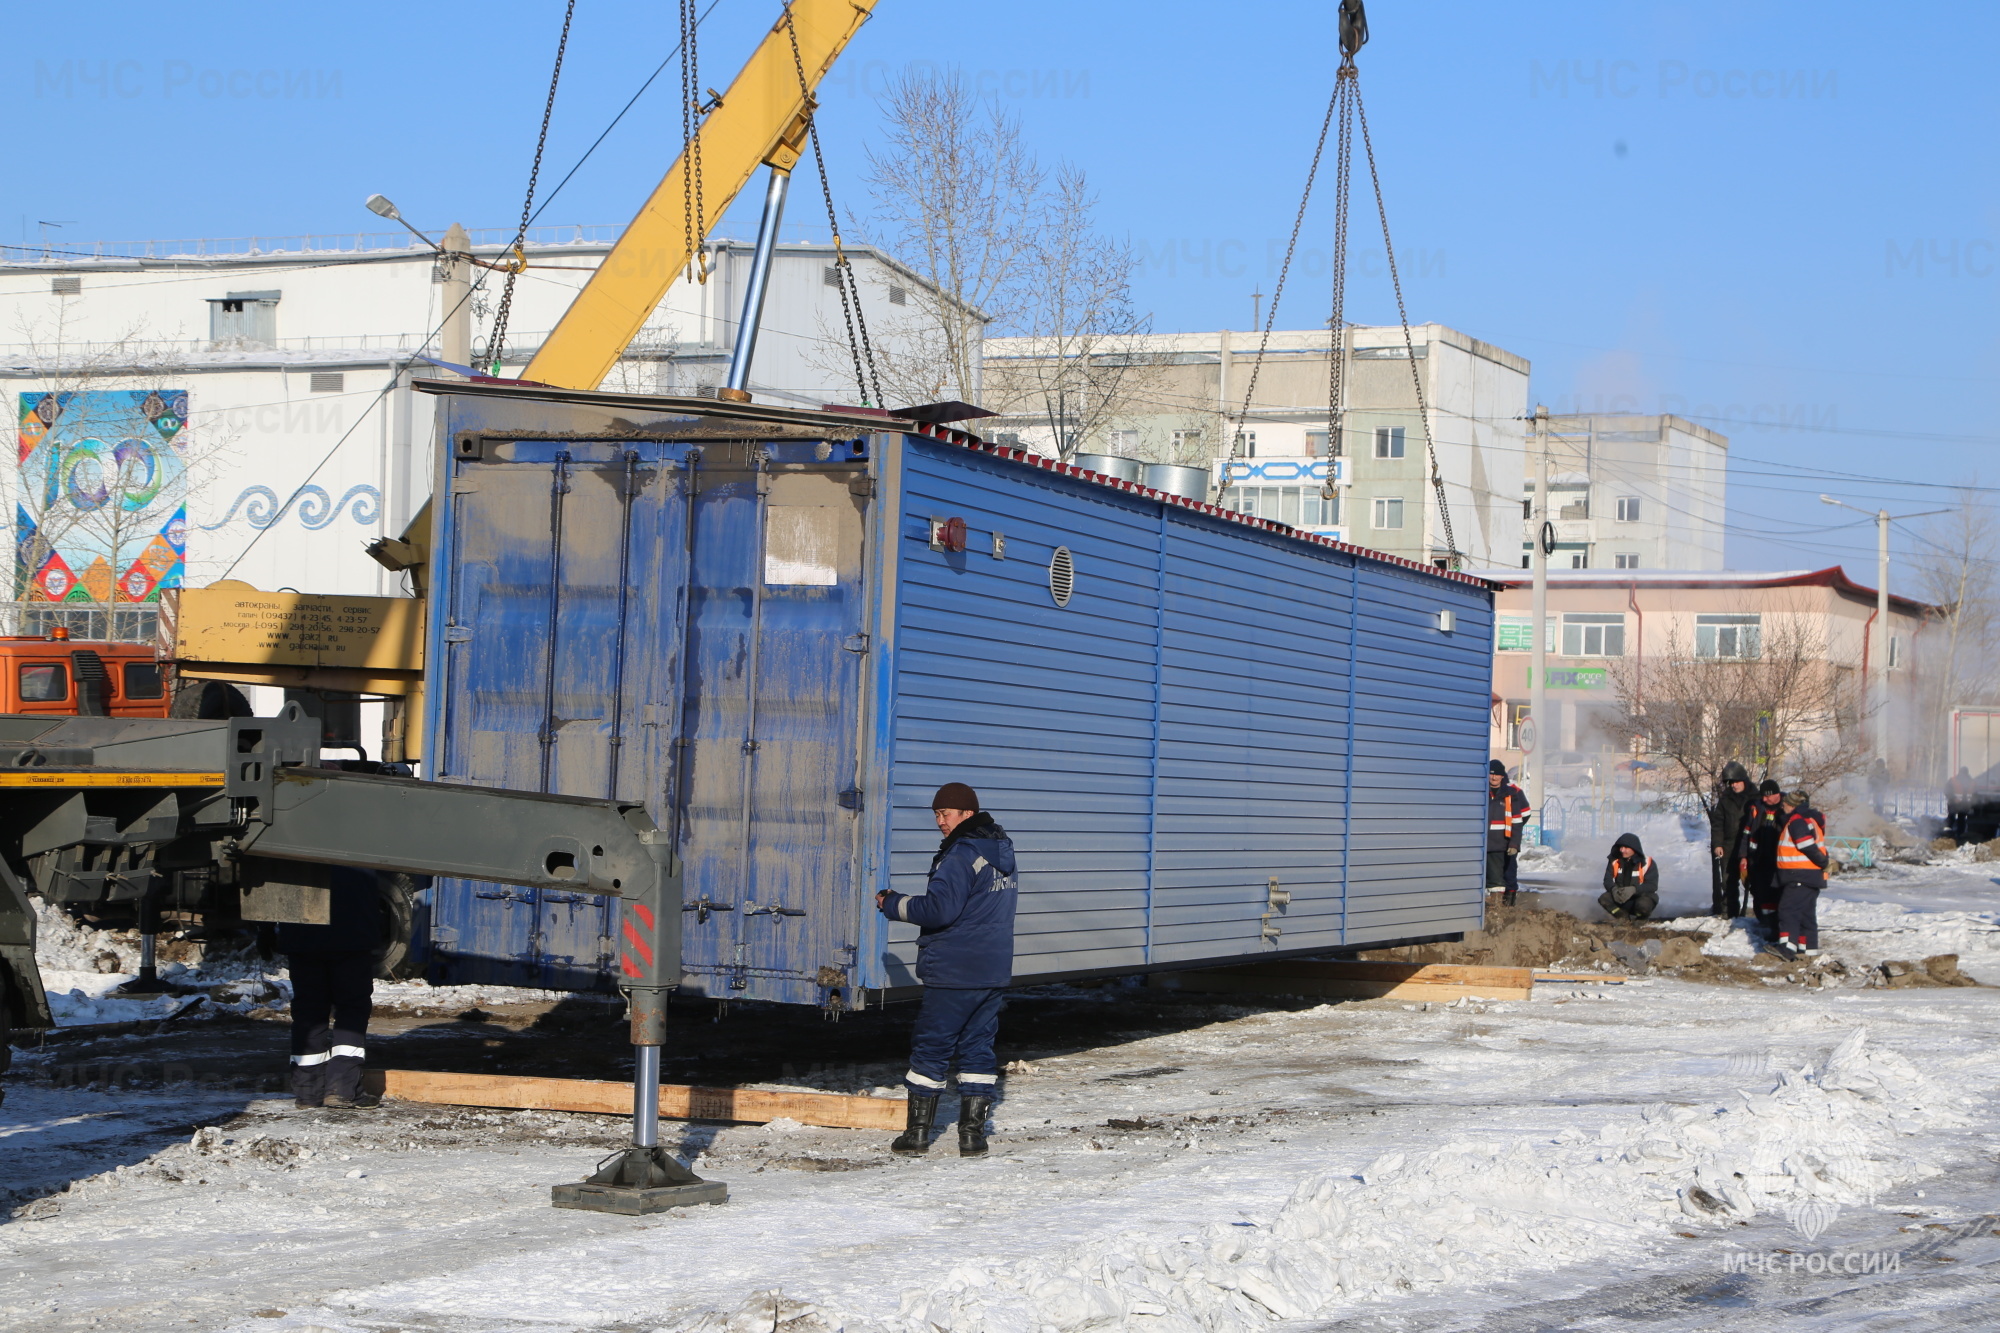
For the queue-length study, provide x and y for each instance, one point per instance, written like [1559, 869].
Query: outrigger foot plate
[637, 1181]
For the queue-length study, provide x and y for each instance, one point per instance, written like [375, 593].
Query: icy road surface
[1519, 1165]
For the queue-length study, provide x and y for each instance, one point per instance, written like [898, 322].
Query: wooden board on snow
[602, 1097]
[1366, 981]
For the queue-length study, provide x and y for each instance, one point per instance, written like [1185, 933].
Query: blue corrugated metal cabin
[1212, 738]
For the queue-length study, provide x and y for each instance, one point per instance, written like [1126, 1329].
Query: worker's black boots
[915, 1139]
[972, 1112]
[1507, 897]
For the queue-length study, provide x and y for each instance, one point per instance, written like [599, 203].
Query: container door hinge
[861, 486]
[850, 799]
[855, 643]
[458, 634]
[464, 485]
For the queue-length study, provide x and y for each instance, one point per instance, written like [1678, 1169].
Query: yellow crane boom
[762, 118]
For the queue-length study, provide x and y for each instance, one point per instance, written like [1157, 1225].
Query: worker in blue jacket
[965, 958]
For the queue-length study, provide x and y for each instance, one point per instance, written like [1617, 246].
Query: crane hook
[1353, 28]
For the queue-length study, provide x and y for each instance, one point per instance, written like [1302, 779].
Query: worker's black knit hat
[1769, 787]
[1497, 767]
[955, 796]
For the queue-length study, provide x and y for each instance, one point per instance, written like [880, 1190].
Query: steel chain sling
[497, 344]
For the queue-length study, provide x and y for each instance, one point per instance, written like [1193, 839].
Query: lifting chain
[497, 344]
[866, 382]
[694, 207]
[1345, 108]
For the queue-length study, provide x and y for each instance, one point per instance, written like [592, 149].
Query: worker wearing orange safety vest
[1802, 862]
[1631, 881]
[1506, 824]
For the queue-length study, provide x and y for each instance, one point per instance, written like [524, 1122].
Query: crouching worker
[1631, 881]
[333, 990]
[965, 959]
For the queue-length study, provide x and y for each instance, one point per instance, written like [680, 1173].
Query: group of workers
[1768, 850]
[1769, 858]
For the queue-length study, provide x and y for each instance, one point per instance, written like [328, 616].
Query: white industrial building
[1177, 398]
[1631, 492]
[245, 406]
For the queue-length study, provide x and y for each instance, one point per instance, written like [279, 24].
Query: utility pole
[1538, 686]
[1882, 637]
[455, 338]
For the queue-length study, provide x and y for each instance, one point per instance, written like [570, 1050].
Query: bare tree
[1085, 365]
[959, 198]
[1783, 708]
[1956, 570]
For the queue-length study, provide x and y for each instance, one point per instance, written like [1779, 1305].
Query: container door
[775, 650]
[567, 569]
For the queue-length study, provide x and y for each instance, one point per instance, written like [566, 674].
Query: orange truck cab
[70, 677]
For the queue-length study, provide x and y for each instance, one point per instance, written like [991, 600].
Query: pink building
[1603, 621]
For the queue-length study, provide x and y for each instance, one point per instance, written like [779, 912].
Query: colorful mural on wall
[102, 499]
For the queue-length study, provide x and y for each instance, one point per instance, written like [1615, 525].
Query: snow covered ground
[1659, 1152]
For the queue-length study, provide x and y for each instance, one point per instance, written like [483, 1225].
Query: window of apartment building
[1528, 507]
[1586, 634]
[1625, 560]
[1389, 443]
[1388, 511]
[1895, 651]
[1185, 440]
[1316, 445]
[1728, 637]
[1246, 444]
[1571, 504]
[1300, 506]
[1124, 442]
[244, 318]
[1579, 560]
[1628, 509]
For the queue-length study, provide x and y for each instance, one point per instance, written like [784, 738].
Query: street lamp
[379, 205]
[1882, 519]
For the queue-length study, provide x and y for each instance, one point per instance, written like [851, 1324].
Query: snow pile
[64, 944]
[80, 999]
[1727, 938]
[423, 995]
[1477, 1211]
[1867, 933]
[77, 999]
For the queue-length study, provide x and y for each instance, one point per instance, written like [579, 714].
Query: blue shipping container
[1211, 738]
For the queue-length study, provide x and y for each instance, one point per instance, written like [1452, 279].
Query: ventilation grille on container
[899, 295]
[66, 286]
[328, 381]
[832, 276]
[1062, 575]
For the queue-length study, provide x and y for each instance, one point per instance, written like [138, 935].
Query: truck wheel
[396, 895]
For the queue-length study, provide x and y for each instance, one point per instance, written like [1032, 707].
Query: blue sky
[1781, 219]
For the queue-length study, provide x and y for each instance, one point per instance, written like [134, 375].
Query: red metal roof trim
[1019, 455]
[1833, 576]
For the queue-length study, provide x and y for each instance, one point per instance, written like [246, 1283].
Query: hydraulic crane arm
[762, 118]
